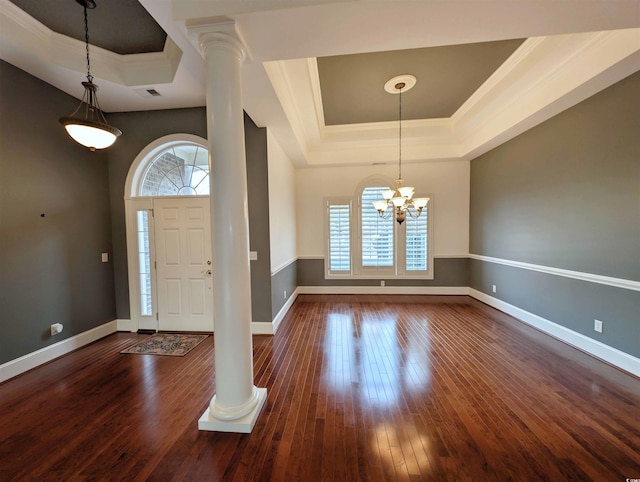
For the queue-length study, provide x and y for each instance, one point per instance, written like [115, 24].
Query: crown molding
[543, 77]
[23, 33]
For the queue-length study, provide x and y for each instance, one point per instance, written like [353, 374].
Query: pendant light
[87, 124]
[400, 201]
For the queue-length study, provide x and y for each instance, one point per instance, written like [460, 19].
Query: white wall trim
[31, 37]
[32, 360]
[383, 290]
[593, 347]
[284, 310]
[270, 328]
[282, 266]
[579, 275]
[262, 328]
[126, 325]
[465, 255]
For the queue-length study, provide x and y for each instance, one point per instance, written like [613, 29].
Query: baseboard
[266, 328]
[126, 325]
[261, 328]
[284, 310]
[32, 360]
[611, 355]
[382, 290]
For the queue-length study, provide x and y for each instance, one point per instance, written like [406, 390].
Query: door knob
[206, 272]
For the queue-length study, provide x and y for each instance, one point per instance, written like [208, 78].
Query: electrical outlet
[285, 294]
[597, 326]
[56, 328]
[495, 290]
[382, 283]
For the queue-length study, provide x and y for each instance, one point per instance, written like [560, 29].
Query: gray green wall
[566, 194]
[283, 284]
[259, 240]
[447, 272]
[142, 128]
[139, 130]
[50, 267]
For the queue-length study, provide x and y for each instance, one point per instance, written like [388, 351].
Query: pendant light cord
[86, 43]
[400, 137]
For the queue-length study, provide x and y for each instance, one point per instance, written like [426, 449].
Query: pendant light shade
[87, 124]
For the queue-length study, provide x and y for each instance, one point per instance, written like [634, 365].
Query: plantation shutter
[339, 237]
[416, 242]
[377, 233]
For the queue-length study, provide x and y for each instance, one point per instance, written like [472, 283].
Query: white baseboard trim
[32, 360]
[593, 347]
[382, 290]
[266, 328]
[284, 310]
[261, 328]
[126, 325]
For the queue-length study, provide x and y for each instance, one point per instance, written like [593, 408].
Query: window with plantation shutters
[416, 242]
[362, 244]
[377, 233]
[339, 251]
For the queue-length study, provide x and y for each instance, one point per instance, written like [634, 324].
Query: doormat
[171, 344]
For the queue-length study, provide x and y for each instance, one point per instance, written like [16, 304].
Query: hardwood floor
[423, 388]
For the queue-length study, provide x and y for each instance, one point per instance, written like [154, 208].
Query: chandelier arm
[387, 213]
[99, 114]
[413, 211]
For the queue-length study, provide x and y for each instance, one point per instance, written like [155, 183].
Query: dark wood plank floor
[424, 388]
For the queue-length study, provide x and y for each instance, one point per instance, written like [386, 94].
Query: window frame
[339, 201]
[398, 270]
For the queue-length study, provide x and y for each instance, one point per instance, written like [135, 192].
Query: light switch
[105, 257]
[253, 255]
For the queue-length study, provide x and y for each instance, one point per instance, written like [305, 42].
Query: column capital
[217, 32]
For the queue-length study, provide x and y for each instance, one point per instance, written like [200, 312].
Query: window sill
[380, 276]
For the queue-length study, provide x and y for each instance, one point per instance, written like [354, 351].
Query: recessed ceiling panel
[353, 92]
[121, 26]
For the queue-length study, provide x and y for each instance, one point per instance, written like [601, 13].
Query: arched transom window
[179, 170]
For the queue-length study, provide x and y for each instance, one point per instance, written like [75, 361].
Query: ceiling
[352, 86]
[486, 70]
[121, 26]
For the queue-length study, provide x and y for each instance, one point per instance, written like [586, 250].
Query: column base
[240, 425]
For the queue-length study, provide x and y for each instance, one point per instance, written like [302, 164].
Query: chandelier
[400, 200]
[87, 124]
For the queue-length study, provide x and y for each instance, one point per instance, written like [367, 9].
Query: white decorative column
[237, 402]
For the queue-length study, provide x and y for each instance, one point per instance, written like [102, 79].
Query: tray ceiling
[352, 86]
[120, 26]
[316, 68]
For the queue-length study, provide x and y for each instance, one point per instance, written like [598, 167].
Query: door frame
[134, 203]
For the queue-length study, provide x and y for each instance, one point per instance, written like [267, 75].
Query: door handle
[207, 272]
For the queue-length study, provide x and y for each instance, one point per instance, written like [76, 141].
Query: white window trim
[398, 270]
[327, 203]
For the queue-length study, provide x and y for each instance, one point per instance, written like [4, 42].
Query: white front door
[183, 264]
